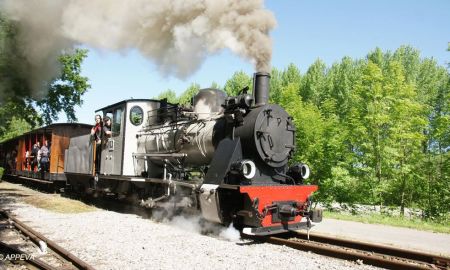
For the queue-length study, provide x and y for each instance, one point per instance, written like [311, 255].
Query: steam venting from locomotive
[176, 35]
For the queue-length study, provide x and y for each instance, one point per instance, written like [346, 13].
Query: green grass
[51, 202]
[417, 224]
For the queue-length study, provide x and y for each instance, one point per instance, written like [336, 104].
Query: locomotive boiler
[228, 157]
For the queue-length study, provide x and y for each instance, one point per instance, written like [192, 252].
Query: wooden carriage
[17, 163]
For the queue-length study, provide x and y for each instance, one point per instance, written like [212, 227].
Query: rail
[368, 253]
[9, 250]
[36, 237]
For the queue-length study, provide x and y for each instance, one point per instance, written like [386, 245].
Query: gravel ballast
[111, 240]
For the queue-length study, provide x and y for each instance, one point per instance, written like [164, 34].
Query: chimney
[261, 86]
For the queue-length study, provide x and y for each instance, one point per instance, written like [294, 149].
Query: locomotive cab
[127, 118]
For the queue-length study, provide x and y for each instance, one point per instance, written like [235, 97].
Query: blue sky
[306, 31]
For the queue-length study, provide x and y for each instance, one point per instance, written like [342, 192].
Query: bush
[1, 173]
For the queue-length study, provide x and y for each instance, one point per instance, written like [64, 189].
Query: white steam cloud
[177, 35]
[194, 224]
[191, 220]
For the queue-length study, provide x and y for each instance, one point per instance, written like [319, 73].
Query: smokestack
[261, 86]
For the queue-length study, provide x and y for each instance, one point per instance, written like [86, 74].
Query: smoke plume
[176, 35]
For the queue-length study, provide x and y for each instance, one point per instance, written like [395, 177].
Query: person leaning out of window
[96, 131]
[107, 133]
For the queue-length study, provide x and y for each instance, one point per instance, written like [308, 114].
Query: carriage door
[112, 153]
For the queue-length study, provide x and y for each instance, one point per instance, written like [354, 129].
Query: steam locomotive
[227, 157]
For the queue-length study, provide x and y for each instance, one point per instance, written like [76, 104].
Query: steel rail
[36, 236]
[425, 257]
[9, 249]
[371, 254]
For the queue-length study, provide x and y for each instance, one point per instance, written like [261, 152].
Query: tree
[291, 75]
[237, 82]
[275, 86]
[16, 127]
[16, 97]
[374, 130]
[214, 85]
[186, 97]
[65, 91]
[188, 94]
[448, 49]
[314, 83]
[431, 83]
[407, 122]
[170, 95]
[342, 78]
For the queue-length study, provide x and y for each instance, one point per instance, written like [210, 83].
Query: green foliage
[66, 91]
[373, 130]
[17, 126]
[15, 109]
[170, 95]
[186, 96]
[340, 187]
[12, 78]
[215, 85]
[238, 81]
[314, 83]
[17, 100]
[281, 79]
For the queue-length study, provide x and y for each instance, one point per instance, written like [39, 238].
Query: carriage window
[117, 120]
[136, 115]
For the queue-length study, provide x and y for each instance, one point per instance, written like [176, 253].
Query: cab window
[117, 121]
[136, 115]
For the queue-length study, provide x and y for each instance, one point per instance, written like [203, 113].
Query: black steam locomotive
[225, 156]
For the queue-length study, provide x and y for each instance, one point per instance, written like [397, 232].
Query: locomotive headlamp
[299, 171]
[246, 168]
[304, 171]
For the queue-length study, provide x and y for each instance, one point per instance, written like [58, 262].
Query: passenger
[96, 133]
[27, 159]
[45, 158]
[9, 162]
[34, 155]
[14, 159]
[106, 128]
[39, 155]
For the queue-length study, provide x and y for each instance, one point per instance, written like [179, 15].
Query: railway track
[367, 253]
[21, 246]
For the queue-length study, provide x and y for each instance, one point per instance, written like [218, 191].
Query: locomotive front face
[248, 181]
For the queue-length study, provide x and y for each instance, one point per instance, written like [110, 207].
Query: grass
[397, 221]
[56, 203]
[51, 202]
